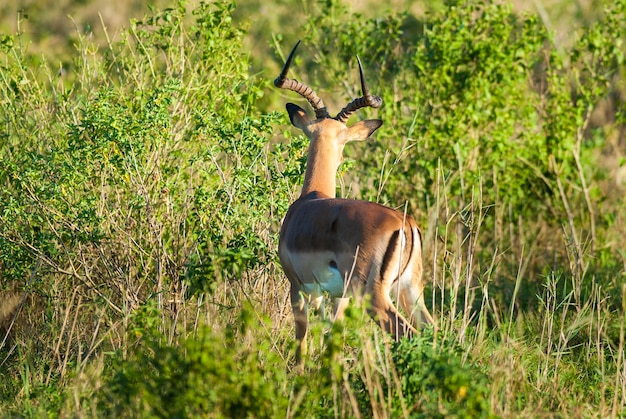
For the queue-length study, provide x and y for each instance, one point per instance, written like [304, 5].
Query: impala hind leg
[410, 295]
[300, 310]
[412, 302]
[383, 311]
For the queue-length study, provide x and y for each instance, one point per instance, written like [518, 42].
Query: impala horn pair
[283, 82]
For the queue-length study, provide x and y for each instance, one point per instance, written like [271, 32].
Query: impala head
[324, 127]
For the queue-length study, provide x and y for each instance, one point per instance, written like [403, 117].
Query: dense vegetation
[143, 180]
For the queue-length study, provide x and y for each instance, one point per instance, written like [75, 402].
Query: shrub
[429, 380]
[208, 374]
[436, 381]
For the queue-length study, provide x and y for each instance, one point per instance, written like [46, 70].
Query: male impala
[334, 245]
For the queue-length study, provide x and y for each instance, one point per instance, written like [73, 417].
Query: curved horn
[283, 82]
[362, 102]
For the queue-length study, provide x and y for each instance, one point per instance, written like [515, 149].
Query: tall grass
[142, 188]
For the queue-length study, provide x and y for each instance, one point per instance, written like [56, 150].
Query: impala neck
[322, 163]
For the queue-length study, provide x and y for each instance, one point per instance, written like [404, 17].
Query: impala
[346, 246]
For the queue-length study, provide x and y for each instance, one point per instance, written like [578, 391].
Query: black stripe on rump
[394, 242]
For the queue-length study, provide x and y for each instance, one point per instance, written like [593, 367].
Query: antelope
[346, 246]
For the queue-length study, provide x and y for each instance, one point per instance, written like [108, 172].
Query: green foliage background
[145, 171]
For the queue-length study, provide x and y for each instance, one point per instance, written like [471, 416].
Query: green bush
[144, 173]
[208, 374]
[429, 380]
[475, 96]
[436, 381]
[160, 143]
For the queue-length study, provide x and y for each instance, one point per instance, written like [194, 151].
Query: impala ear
[298, 116]
[361, 130]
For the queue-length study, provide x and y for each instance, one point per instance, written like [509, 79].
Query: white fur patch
[317, 275]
